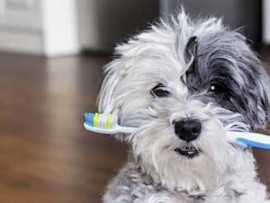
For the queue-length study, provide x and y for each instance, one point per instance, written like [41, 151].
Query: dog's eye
[160, 91]
[215, 87]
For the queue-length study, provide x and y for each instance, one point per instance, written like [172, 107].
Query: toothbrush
[251, 139]
[105, 124]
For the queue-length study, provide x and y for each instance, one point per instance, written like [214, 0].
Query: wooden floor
[45, 154]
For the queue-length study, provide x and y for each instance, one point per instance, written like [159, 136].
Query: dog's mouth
[188, 151]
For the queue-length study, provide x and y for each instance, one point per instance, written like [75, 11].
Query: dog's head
[184, 84]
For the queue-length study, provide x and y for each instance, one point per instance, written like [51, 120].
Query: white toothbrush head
[105, 124]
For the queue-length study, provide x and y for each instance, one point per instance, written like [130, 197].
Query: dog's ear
[256, 91]
[190, 49]
[110, 82]
[263, 105]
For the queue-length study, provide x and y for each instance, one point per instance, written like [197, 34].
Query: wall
[20, 26]
[42, 27]
[103, 23]
[236, 13]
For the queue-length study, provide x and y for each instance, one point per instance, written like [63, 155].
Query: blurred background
[51, 58]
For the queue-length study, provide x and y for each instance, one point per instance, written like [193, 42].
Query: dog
[184, 83]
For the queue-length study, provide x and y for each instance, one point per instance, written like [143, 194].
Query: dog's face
[184, 85]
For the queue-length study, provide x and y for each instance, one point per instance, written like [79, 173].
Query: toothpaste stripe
[96, 120]
[108, 121]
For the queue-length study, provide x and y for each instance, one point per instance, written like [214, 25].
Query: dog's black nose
[188, 129]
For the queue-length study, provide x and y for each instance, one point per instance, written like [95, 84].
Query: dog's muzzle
[188, 130]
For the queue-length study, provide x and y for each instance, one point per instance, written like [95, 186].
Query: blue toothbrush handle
[251, 139]
[253, 143]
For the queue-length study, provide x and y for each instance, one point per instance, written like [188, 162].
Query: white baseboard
[32, 42]
[21, 41]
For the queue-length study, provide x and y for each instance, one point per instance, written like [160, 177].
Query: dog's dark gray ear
[263, 104]
[190, 49]
[255, 93]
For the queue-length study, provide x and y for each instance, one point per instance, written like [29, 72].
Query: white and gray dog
[184, 84]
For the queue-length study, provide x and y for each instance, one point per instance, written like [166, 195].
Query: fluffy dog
[184, 84]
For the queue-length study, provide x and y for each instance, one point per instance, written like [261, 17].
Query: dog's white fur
[155, 173]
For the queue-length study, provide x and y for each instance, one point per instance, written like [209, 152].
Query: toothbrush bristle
[89, 119]
[108, 121]
[95, 120]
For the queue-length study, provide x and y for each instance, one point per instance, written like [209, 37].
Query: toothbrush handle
[117, 129]
[128, 130]
[251, 139]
